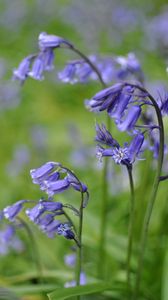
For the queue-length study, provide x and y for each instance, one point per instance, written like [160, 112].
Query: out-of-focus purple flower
[164, 105]
[35, 212]
[70, 259]
[51, 41]
[68, 74]
[129, 65]
[130, 120]
[11, 212]
[51, 228]
[38, 68]
[9, 240]
[48, 58]
[21, 157]
[73, 282]
[21, 73]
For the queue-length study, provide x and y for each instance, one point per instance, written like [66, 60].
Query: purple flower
[103, 136]
[69, 73]
[105, 99]
[38, 67]
[56, 187]
[51, 228]
[122, 103]
[76, 184]
[51, 205]
[21, 73]
[65, 230]
[125, 155]
[8, 240]
[73, 282]
[70, 259]
[48, 58]
[51, 41]
[40, 174]
[11, 212]
[35, 212]
[135, 147]
[130, 120]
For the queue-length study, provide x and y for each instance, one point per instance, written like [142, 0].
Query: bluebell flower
[130, 120]
[104, 136]
[46, 41]
[76, 184]
[38, 68]
[21, 73]
[56, 187]
[164, 105]
[48, 58]
[122, 103]
[105, 99]
[70, 259]
[35, 212]
[125, 155]
[11, 212]
[40, 174]
[9, 240]
[68, 74]
[51, 228]
[65, 230]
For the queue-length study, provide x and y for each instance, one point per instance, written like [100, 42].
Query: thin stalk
[131, 223]
[35, 252]
[104, 210]
[151, 202]
[92, 65]
[79, 259]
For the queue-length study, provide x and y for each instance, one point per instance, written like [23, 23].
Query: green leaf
[65, 293]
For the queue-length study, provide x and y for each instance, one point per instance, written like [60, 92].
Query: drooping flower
[42, 173]
[130, 120]
[21, 73]
[104, 136]
[11, 212]
[46, 41]
[121, 155]
[105, 99]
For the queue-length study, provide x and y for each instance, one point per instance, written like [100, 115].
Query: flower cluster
[45, 212]
[34, 65]
[126, 155]
[110, 68]
[121, 103]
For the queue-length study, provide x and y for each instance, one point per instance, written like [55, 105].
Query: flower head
[11, 212]
[21, 73]
[51, 41]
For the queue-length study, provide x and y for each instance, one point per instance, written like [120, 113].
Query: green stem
[103, 220]
[35, 252]
[79, 258]
[151, 202]
[131, 223]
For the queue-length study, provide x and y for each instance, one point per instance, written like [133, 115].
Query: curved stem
[103, 220]
[131, 223]
[151, 202]
[95, 69]
[35, 252]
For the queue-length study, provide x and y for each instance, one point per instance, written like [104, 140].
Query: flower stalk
[152, 199]
[131, 223]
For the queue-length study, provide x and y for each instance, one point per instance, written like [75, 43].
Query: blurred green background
[47, 121]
